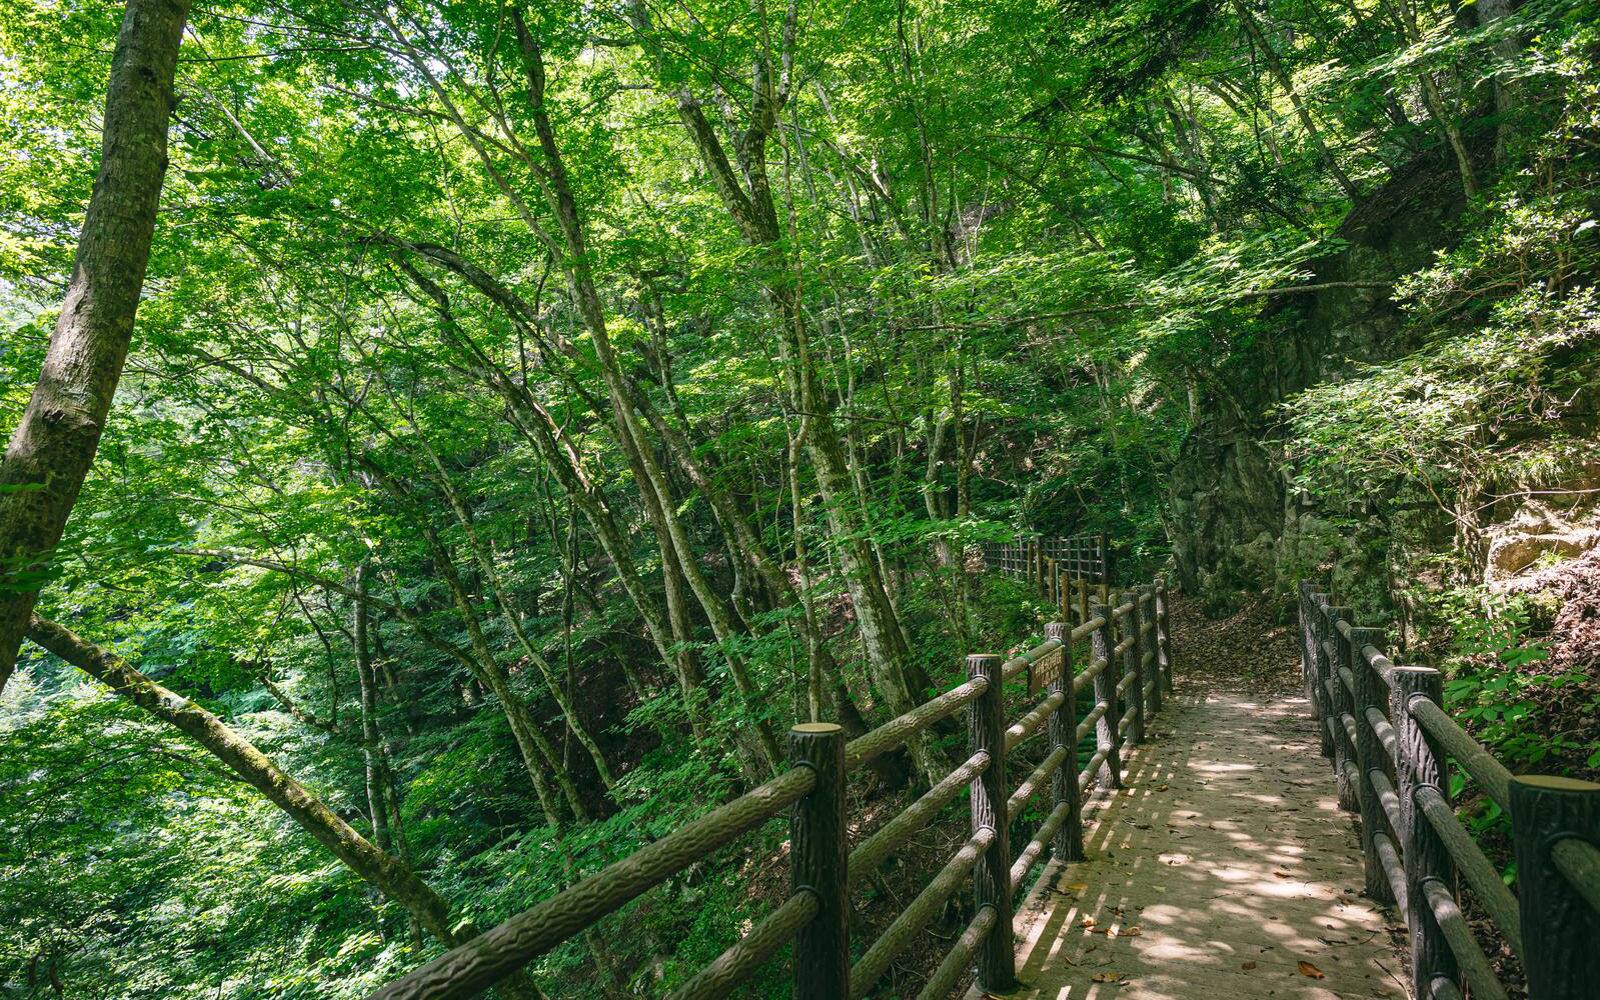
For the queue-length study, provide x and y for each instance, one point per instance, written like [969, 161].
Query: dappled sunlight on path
[1224, 868]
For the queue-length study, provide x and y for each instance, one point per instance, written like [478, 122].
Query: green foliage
[164, 874]
[1498, 685]
[1485, 406]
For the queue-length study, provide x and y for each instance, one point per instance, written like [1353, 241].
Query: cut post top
[1555, 783]
[816, 728]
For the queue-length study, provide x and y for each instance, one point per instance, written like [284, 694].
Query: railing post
[1308, 648]
[819, 860]
[1319, 674]
[1131, 666]
[1560, 930]
[1149, 647]
[1163, 649]
[1068, 843]
[1369, 757]
[1426, 857]
[1105, 693]
[1343, 704]
[991, 879]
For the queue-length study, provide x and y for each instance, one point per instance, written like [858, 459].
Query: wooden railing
[1066, 571]
[1393, 745]
[1128, 668]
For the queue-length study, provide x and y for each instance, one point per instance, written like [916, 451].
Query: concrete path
[1225, 869]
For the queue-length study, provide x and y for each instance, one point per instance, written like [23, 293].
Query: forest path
[1228, 852]
[1226, 849]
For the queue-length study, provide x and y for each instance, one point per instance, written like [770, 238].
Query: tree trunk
[750, 204]
[1505, 92]
[1281, 73]
[575, 262]
[536, 425]
[756, 216]
[509, 611]
[1433, 99]
[364, 858]
[655, 496]
[54, 444]
[395, 880]
[376, 781]
[537, 752]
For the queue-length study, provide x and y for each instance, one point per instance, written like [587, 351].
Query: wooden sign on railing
[1047, 671]
[1392, 745]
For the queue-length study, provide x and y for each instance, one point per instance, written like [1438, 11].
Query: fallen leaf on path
[1247, 966]
[1311, 971]
[1109, 977]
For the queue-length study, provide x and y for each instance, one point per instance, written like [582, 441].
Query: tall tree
[52, 448]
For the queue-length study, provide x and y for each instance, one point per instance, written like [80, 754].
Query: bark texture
[54, 444]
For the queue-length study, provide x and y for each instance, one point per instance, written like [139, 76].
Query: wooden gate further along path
[1067, 572]
[1393, 746]
[1127, 665]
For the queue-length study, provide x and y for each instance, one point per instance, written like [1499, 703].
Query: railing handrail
[815, 914]
[1392, 742]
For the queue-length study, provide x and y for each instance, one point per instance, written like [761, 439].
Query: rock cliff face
[1537, 529]
[1236, 526]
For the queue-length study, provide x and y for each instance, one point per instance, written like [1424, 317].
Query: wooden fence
[1393, 747]
[1126, 665]
[1066, 571]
